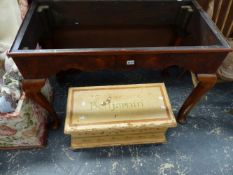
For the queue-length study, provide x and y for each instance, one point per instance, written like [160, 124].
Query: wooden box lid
[99, 108]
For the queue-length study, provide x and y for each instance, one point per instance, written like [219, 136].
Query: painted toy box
[118, 115]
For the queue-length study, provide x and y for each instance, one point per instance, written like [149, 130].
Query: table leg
[205, 83]
[32, 89]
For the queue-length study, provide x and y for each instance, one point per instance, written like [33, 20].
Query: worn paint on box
[118, 106]
[118, 115]
[117, 140]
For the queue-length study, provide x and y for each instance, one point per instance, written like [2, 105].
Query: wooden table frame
[202, 60]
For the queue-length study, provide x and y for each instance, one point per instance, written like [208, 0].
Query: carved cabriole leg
[205, 83]
[32, 89]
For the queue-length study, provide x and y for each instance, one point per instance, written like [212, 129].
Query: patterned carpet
[203, 146]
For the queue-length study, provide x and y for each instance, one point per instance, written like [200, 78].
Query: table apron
[35, 67]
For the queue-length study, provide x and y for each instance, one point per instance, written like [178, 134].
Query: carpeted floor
[203, 146]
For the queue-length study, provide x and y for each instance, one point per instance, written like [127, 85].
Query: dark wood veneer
[116, 35]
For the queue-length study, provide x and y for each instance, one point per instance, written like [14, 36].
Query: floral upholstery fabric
[10, 87]
[25, 127]
[23, 123]
[8, 99]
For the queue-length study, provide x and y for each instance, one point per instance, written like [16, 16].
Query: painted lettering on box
[94, 106]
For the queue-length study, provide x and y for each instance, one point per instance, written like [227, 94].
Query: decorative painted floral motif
[32, 132]
[7, 131]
